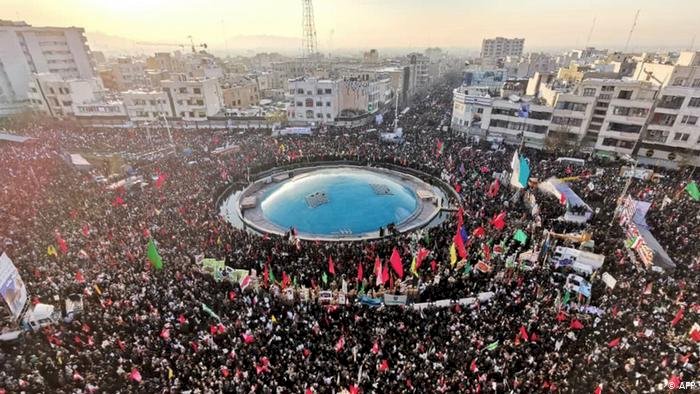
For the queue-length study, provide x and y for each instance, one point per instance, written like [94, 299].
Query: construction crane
[629, 36]
[160, 44]
[309, 43]
[202, 45]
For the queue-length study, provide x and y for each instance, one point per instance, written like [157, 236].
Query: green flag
[272, 277]
[324, 278]
[692, 189]
[211, 313]
[153, 255]
[362, 289]
[492, 346]
[566, 298]
[294, 282]
[520, 236]
[468, 268]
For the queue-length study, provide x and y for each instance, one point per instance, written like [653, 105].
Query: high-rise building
[497, 49]
[26, 50]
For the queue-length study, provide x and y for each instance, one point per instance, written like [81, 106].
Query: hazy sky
[378, 23]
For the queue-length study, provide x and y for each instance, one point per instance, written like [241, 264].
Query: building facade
[193, 100]
[26, 50]
[497, 49]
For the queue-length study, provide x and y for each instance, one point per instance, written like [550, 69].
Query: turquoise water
[345, 202]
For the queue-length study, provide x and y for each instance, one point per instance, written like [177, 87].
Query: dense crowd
[147, 330]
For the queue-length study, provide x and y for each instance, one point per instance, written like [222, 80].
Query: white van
[580, 261]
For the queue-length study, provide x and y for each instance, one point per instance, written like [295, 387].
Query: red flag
[135, 375]
[220, 329]
[285, 280]
[160, 181]
[458, 187]
[331, 266]
[473, 367]
[360, 274]
[523, 333]
[79, 277]
[384, 366]
[247, 338]
[375, 347]
[354, 389]
[493, 188]
[165, 333]
[695, 335]
[678, 317]
[561, 316]
[396, 264]
[224, 371]
[385, 274]
[181, 319]
[422, 254]
[460, 217]
[86, 230]
[614, 342]
[598, 389]
[459, 244]
[479, 232]
[433, 265]
[576, 324]
[266, 275]
[487, 251]
[499, 221]
[340, 344]
[562, 199]
[118, 201]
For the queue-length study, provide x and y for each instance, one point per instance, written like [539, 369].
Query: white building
[313, 100]
[57, 97]
[146, 106]
[27, 50]
[497, 49]
[194, 100]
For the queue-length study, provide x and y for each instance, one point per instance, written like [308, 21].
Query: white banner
[394, 299]
[12, 288]
[609, 280]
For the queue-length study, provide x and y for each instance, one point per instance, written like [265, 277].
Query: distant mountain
[113, 45]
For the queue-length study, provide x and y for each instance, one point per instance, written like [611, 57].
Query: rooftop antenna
[590, 33]
[629, 36]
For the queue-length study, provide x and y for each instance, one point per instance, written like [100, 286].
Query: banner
[394, 299]
[212, 265]
[609, 280]
[12, 288]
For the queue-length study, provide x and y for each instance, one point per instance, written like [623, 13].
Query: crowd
[178, 330]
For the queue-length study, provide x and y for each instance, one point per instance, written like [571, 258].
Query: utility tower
[309, 44]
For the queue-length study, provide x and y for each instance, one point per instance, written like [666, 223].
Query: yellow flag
[51, 251]
[453, 254]
[97, 289]
[274, 320]
[413, 267]
[170, 373]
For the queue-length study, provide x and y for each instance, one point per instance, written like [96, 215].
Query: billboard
[12, 288]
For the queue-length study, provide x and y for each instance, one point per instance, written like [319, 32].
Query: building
[147, 106]
[350, 101]
[495, 50]
[193, 100]
[421, 64]
[124, 74]
[166, 61]
[242, 93]
[57, 97]
[370, 57]
[26, 50]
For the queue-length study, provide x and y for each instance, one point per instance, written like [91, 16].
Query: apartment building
[124, 74]
[494, 50]
[55, 96]
[241, 93]
[512, 121]
[26, 50]
[314, 101]
[146, 106]
[193, 100]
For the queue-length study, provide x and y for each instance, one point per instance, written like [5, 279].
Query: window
[319, 115]
[51, 91]
[606, 96]
[696, 83]
[631, 111]
[678, 82]
[608, 88]
[673, 102]
[299, 104]
[328, 116]
[191, 114]
[610, 141]
[200, 102]
[309, 103]
[589, 92]
[624, 128]
[328, 103]
[681, 137]
[569, 106]
[689, 120]
[657, 136]
[566, 121]
[625, 94]
[309, 114]
[183, 90]
[197, 91]
[319, 103]
[663, 119]
[319, 91]
[694, 102]
[328, 91]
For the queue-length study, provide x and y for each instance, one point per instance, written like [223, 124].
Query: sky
[357, 24]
